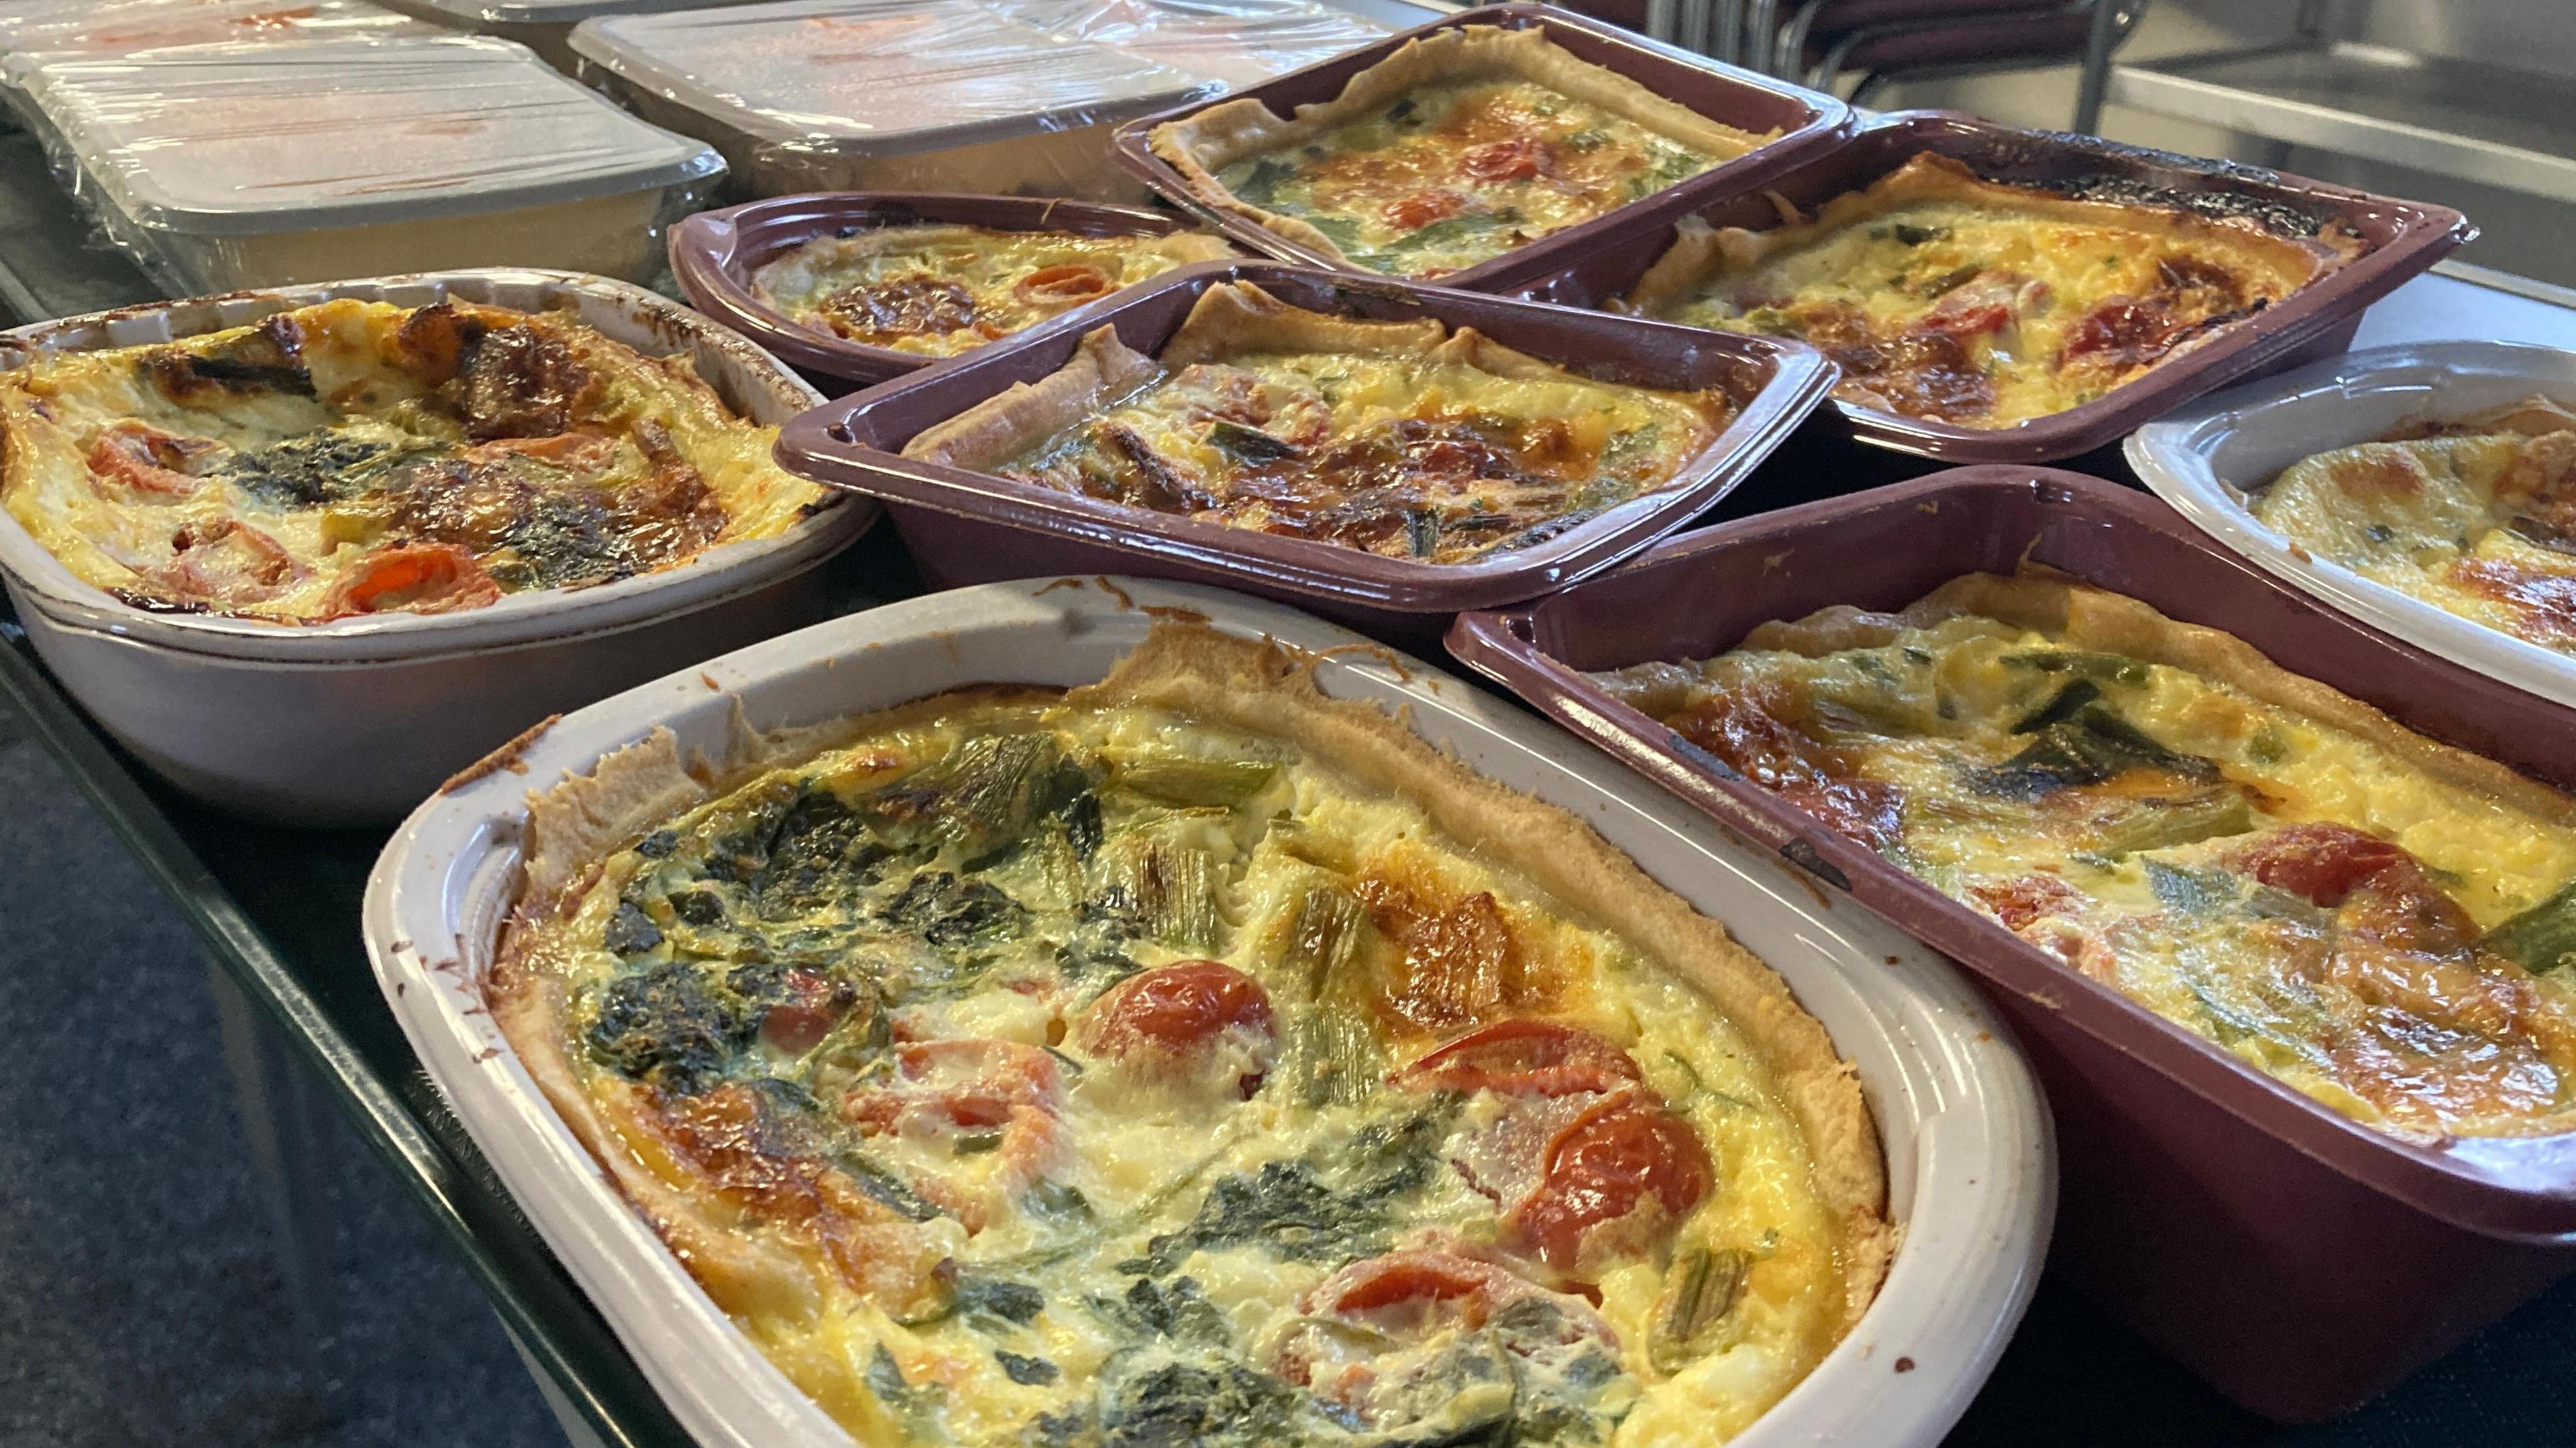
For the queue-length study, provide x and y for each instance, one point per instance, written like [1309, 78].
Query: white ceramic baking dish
[2206, 457]
[1972, 1164]
[353, 721]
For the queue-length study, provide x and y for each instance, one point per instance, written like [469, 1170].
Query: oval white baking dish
[354, 720]
[2206, 457]
[1971, 1161]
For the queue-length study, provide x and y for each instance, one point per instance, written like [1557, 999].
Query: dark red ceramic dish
[1807, 122]
[2298, 1261]
[2401, 239]
[965, 527]
[714, 253]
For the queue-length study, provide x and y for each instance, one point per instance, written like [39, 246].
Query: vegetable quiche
[2378, 920]
[1984, 304]
[1397, 437]
[939, 289]
[1456, 148]
[2477, 517]
[358, 457]
[1189, 1058]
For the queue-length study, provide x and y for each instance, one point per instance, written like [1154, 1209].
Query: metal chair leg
[2108, 20]
[288, 1125]
[1793, 38]
[1662, 17]
[1760, 28]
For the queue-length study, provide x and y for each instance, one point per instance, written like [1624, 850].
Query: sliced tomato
[1412, 213]
[1626, 1160]
[414, 578]
[226, 563]
[1541, 1058]
[2020, 901]
[1518, 159]
[1175, 1015]
[1064, 285]
[2321, 862]
[2123, 332]
[815, 1003]
[1400, 1278]
[142, 460]
[972, 1083]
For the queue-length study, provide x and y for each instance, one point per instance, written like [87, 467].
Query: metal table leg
[287, 1122]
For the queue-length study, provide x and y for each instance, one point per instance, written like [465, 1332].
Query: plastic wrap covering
[1007, 96]
[225, 166]
[1234, 41]
[118, 27]
[544, 26]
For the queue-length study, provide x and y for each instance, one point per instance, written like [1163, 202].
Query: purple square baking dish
[2400, 239]
[1806, 121]
[714, 253]
[968, 527]
[2297, 1260]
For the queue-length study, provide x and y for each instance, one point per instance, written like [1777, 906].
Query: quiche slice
[1189, 1058]
[1400, 438]
[2476, 517]
[356, 457]
[940, 289]
[2380, 921]
[1984, 304]
[1455, 149]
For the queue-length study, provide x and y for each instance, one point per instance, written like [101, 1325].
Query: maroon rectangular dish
[1807, 122]
[714, 253]
[2400, 239]
[2297, 1260]
[969, 527]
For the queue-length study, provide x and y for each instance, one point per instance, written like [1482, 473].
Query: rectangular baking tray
[2205, 458]
[969, 527]
[1809, 124]
[714, 253]
[807, 95]
[351, 721]
[1970, 1161]
[2297, 1260]
[277, 163]
[2401, 238]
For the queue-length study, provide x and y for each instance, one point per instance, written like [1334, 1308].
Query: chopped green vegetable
[1170, 889]
[1703, 1288]
[2542, 938]
[1249, 446]
[2163, 824]
[2190, 891]
[1190, 780]
[2104, 668]
[1260, 185]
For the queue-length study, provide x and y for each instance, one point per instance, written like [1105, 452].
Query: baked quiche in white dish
[1188, 1057]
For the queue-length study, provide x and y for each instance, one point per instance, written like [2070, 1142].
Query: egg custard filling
[2476, 517]
[939, 290]
[2378, 920]
[1189, 1058]
[356, 457]
[1399, 438]
[1977, 303]
[1457, 148]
